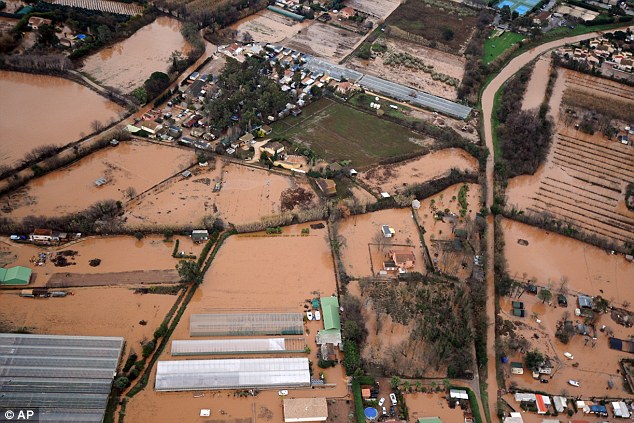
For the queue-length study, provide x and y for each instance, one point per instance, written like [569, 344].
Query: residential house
[404, 259]
[200, 235]
[151, 127]
[246, 138]
[327, 186]
[344, 87]
[347, 12]
[266, 129]
[35, 22]
[585, 301]
[272, 148]
[331, 334]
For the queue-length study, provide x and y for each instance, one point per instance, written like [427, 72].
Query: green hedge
[358, 401]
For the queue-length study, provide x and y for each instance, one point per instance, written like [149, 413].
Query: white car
[573, 383]
[282, 393]
[309, 314]
[569, 356]
[317, 315]
[381, 402]
[393, 398]
[384, 411]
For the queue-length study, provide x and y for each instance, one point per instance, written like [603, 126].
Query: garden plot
[416, 66]
[325, 41]
[246, 195]
[365, 248]
[398, 177]
[73, 189]
[268, 27]
[252, 273]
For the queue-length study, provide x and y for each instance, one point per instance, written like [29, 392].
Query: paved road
[394, 90]
[488, 96]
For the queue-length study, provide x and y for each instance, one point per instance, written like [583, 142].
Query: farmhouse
[151, 127]
[305, 410]
[35, 22]
[246, 138]
[272, 148]
[404, 259]
[200, 235]
[347, 12]
[17, 275]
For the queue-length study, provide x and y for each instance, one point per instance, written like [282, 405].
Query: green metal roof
[429, 420]
[3, 272]
[17, 275]
[330, 312]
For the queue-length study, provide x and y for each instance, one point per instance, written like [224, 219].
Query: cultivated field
[325, 41]
[127, 64]
[89, 312]
[416, 66]
[583, 180]
[117, 254]
[276, 274]
[446, 23]
[268, 27]
[337, 132]
[103, 6]
[365, 248]
[379, 9]
[248, 194]
[72, 189]
[396, 178]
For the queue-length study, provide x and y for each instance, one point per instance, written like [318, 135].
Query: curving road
[488, 96]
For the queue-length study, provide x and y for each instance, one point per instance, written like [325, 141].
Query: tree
[189, 271]
[353, 331]
[160, 331]
[351, 360]
[545, 295]
[140, 95]
[130, 192]
[104, 35]
[447, 34]
[47, 36]
[121, 383]
[505, 13]
[534, 359]
[139, 235]
[148, 349]
[395, 383]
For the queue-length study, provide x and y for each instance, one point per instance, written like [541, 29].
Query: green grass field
[337, 132]
[493, 47]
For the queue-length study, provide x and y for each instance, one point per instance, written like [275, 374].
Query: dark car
[543, 380]
[392, 411]
[562, 301]
[531, 289]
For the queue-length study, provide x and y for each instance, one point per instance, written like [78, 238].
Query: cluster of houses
[599, 51]
[545, 405]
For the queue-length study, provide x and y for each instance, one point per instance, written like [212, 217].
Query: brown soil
[123, 166]
[247, 195]
[59, 112]
[117, 254]
[432, 405]
[268, 27]
[325, 41]
[89, 311]
[380, 9]
[264, 285]
[127, 64]
[62, 280]
[397, 177]
[359, 231]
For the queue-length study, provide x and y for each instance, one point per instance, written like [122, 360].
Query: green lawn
[337, 132]
[495, 46]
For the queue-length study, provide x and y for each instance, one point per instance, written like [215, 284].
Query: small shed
[186, 174]
[200, 235]
[585, 301]
[387, 231]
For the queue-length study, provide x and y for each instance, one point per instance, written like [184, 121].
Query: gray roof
[67, 377]
[246, 324]
[585, 301]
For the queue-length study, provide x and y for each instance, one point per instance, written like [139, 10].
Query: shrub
[148, 349]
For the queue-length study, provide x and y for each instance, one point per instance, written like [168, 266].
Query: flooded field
[584, 176]
[125, 168]
[127, 64]
[593, 363]
[385, 65]
[117, 254]
[88, 312]
[268, 27]
[396, 178]
[297, 268]
[379, 9]
[247, 195]
[536, 88]
[38, 110]
[432, 405]
[550, 258]
[365, 248]
[325, 41]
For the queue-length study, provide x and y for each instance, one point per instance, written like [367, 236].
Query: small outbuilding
[387, 231]
[305, 410]
[585, 301]
[200, 235]
[327, 186]
[17, 275]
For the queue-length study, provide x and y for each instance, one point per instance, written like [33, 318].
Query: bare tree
[130, 192]
[96, 125]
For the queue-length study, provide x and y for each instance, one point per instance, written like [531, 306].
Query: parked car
[543, 380]
[531, 289]
[573, 383]
[562, 301]
[384, 411]
[392, 411]
[381, 402]
[393, 398]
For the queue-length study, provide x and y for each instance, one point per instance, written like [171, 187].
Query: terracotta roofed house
[35, 22]
[347, 12]
[405, 259]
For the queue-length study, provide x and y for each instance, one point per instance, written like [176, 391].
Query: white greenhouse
[246, 324]
[238, 346]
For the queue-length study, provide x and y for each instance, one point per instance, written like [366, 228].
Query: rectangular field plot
[337, 132]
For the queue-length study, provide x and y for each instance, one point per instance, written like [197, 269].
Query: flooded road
[38, 110]
[128, 63]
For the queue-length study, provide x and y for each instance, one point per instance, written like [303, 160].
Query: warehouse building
[247, 373]
[67, 378]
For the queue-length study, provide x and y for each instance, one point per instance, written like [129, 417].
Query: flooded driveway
[37, 110]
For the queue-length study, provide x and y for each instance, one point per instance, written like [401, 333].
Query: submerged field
[337, 132]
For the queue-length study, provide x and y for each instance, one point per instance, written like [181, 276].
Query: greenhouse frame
[238, 346]
[68, 378]
[248, 324]
[235, 373]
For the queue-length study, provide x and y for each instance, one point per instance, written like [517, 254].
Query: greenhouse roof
[188, 375]
[330, 311]
[246, 324]
[238, 346]
[68, 378]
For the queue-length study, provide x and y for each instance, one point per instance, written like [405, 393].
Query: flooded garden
[38, 110]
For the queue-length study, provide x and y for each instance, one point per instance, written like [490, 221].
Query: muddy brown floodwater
[550, 258]
[38, 110]
[251, 273]
[536, 88]
[123, 166]
[432, 405]
[128, 63]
